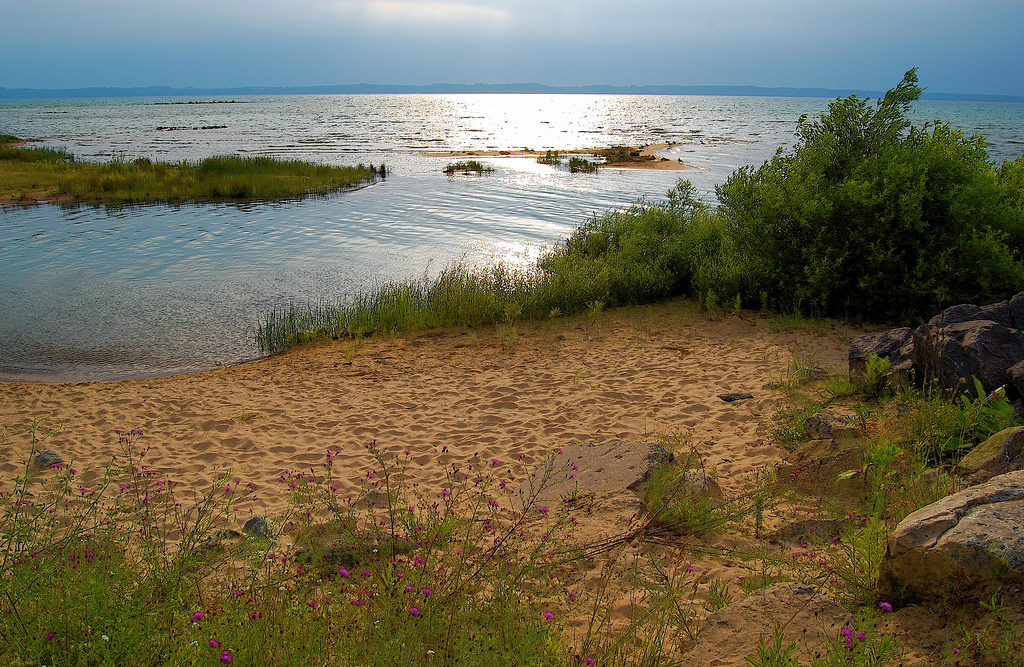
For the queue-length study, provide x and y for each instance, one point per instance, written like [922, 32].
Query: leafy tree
[872, 217]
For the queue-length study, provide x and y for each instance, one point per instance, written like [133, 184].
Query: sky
[960, 46]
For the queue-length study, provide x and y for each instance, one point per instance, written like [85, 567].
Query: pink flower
[861, 636]
[49, 636]
[314, 604]
[495, 462]
[365, 573]
[588, 661]
[409, 589]
[358, 603]
[543, 510]
[885, 606]
[342, 571]
[414, 611]
[225, 656]
[549, 616]
[428, 591]
[198, 616]
[445, 493]
[214, 643]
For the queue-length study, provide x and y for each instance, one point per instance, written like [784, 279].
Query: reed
[467, 167]
[579, 165]
[33, 174]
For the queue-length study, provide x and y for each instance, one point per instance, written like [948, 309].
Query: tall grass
[42, 173]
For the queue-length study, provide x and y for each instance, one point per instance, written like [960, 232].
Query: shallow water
[93, 293]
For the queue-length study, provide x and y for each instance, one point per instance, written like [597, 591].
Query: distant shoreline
[451, 89]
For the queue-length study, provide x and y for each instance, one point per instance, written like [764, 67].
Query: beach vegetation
[581, 165]
[622, 155]
[467, 167]
[39, 173]
[550, 157]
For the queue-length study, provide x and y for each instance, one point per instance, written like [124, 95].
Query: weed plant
[467, 167]
[43, 173]
[580, 165]
[550, 157]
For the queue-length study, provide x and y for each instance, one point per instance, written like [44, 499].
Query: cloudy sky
[961, 46]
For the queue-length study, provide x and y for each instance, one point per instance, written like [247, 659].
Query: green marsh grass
[467, 167]
[578, 165]
[550, 157]
[30, 174]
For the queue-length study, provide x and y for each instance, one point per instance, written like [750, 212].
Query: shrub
[868, 216]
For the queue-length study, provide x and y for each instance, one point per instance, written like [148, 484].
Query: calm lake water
[91, 293]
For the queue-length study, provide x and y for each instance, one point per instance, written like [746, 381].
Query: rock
[832, 423]
[971, 537]
[1017, 311]
[1016, 377]
[735, 396]
[47, 459]
[731, 634]
[258, 526]
[964, 312]
[983, 349]
[1001, 453]
[586, 468]
[819, 530]
[818, 474]
[896, 345]
[961, 342]
[1000, 314]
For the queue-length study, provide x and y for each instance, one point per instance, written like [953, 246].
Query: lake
[90, 293]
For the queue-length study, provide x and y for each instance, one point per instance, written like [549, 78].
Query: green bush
[869, 216]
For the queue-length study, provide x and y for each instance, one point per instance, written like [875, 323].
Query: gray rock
[1016, 377]
[731, 634]
[818, 474]
[832, 423]
[1001, 453]
[964, 312]
[1017, 311]
[47, 459]
[1000, 314]
[258, 526]
[896, 345]
[955, 353]
[974, 536]
[732, 397]
[586, 468]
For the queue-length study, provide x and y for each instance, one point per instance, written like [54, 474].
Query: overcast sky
[961, 46]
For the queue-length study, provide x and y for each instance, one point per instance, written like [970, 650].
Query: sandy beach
[626, 375]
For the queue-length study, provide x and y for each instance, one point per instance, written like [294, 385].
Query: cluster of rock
[976, 535]
[960, 343]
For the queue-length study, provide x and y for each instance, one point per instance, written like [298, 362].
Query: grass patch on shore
[33, 174]
[622, 155]
[467, 167]
[550, 157]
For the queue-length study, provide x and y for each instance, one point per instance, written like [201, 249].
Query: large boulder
[961, 342]
[973, 536]
[964, 312]
[955, 353]
[896, 345]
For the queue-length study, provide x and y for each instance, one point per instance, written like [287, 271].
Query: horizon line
[479, 88]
